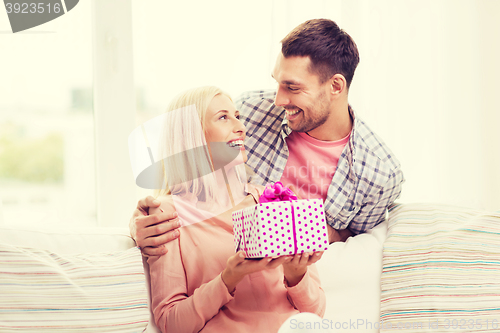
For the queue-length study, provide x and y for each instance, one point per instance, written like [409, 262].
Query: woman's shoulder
[165, 198]
[166, 204]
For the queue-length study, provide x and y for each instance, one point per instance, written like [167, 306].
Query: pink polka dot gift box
[280, 225]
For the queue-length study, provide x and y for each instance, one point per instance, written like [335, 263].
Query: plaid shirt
[368, 177]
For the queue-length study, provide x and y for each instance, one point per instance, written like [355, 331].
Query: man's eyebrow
[292, 82]
[288, 82]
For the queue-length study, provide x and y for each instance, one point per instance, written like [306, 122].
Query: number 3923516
[32, 8]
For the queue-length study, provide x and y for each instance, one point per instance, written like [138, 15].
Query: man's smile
[292, 114]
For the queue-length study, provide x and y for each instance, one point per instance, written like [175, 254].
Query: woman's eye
[293, 89]
[223, 117]
[238, 117]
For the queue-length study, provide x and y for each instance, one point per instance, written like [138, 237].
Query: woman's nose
[238, 126]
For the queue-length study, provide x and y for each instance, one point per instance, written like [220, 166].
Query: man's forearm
[338, 235]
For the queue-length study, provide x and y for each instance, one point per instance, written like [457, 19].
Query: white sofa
[428, 265]
[91, 280]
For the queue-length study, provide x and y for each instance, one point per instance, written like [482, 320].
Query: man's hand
[295, 191]
[335, 235]
[296, 268]
[151, 232]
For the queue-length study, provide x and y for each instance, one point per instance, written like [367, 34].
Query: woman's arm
[176, 311]
[304, 289]
[173, 309]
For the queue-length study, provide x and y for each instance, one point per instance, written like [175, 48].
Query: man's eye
[238, 116]
[223, 117]
[293, 89]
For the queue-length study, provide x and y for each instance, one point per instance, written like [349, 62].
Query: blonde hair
[187, 167]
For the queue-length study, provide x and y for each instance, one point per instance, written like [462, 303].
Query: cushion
[72, 240]
[43, 291]
[441, 270]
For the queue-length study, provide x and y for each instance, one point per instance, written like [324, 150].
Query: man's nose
[281, 98]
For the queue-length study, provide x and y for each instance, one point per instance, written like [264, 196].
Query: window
[47, 164]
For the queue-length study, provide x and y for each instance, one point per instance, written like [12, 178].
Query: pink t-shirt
[311, 164]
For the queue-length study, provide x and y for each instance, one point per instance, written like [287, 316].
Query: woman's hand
[237, 268]
[296, 268]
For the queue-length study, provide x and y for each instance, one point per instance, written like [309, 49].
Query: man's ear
[338, 84]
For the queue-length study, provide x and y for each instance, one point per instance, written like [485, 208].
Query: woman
[201, 284]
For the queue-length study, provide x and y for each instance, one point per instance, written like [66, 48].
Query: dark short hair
[331, 50]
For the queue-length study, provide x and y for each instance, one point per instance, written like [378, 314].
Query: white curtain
[427, 83]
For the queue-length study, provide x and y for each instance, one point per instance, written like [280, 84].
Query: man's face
[300, 92]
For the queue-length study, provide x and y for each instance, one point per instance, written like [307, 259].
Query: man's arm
[335, 235]
[373, 212]
[151, 232]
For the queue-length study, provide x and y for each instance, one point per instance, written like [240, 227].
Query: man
[307, 136]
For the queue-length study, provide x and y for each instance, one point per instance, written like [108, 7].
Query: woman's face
[224, 132]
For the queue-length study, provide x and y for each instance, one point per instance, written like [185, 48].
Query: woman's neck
[229, 191]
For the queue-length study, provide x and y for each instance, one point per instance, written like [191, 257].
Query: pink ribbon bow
[277, 192]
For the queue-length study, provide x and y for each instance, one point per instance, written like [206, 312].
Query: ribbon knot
[277, 192]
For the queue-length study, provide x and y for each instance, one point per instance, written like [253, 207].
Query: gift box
[280, 225]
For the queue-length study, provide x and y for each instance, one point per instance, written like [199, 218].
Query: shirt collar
[350, 153]
[285, 130]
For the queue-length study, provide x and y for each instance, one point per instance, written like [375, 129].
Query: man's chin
[295, 128]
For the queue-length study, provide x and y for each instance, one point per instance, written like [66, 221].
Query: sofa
[95, 279]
